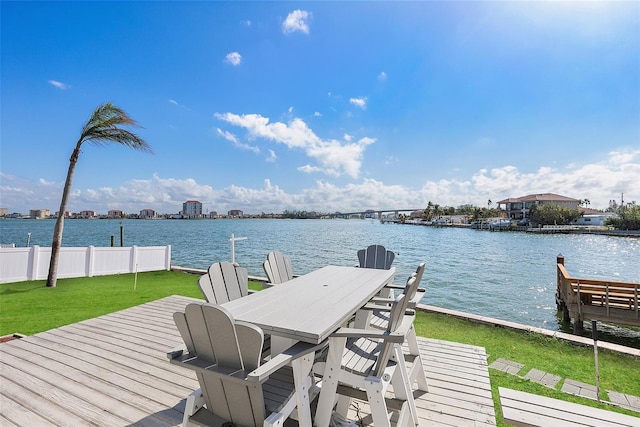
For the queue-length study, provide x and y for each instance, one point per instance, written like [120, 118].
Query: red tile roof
[544, 197]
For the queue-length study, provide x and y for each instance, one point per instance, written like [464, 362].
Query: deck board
[113, 371]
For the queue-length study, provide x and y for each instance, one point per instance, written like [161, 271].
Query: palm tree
[103, 127]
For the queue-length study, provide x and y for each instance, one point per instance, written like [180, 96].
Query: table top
[309, 308]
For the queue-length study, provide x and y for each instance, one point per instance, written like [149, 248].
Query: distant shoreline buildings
[511, 208]
[191, 209]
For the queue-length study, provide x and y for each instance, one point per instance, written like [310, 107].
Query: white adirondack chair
[414, 293]
[362, 363]
[224, 282]
[380, 318]
[376, 256]
[278, 268]
[234, 386]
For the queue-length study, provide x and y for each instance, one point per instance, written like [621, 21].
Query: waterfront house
[148, 214]
[88, 214]
[235, 213]
[518, 207]
[115, 213]
[595, 219]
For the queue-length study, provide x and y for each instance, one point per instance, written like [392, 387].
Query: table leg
[280, 344]
[362, 320]
[330, 379]
[301, 369]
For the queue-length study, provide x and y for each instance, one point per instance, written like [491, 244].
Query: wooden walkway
[113, 371]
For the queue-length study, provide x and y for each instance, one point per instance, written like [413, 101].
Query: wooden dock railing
[603, 300]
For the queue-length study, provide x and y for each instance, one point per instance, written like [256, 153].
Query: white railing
[32, 263]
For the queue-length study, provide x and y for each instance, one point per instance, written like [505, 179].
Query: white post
[33, 263]
[233, 247]
[91, 252]
[167, 257]
[594, 332]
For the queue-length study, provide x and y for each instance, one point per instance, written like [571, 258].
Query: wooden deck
[113, 371]
[592, 299]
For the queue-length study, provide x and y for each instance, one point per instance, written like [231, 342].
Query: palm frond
[103, 127]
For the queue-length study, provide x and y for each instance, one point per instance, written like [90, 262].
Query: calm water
[509, 276]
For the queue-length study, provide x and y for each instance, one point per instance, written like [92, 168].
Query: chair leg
[417, 370]
[375, 388]
[342, 407]
[402, 385]
[195, 401]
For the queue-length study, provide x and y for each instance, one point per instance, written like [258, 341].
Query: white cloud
[347, 137]
[309, 169]
[234, 139]
[290, 110]
[296, 21]
[59, 85]
[272, 157]
[382, 77]
[317, 114]
[233, 58]
[334, 158]
[359, 102]
[177, 104]
[246, 23]
[599, 182]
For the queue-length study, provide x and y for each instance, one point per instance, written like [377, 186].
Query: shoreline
[550, 230]
[573, 339]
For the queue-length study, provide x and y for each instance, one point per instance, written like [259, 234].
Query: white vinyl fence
[20, 264]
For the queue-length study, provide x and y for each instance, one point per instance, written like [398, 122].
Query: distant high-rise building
[192, 209]
[39, 213]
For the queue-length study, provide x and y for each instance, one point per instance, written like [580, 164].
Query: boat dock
[601, 300]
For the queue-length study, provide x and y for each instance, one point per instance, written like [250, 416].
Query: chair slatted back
[411, 289]
[396, 315]
[224, 282]
[376, 256]
[278, 267]
[231, 346]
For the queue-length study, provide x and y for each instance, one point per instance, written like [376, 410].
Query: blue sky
[327, 106]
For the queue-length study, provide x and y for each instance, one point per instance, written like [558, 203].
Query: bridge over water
[373, 213]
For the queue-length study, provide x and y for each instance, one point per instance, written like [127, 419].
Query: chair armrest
[417, 297]
[373, 307]
[396, 336]
[375, 334]
[283, 359]
[380, 300]
[412, 303]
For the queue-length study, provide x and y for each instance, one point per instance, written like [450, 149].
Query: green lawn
[30, 307]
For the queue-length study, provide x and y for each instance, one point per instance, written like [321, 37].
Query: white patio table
[309, 308]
